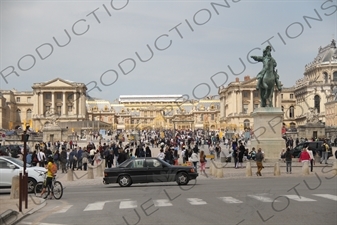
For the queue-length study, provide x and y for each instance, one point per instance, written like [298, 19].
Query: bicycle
[56, 188]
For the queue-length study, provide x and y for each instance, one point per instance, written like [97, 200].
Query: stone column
[235, 102]
[251, 105]
[40, 103]
[64, 104]
[75, 103]
[240, 101]
[53, 102]
[79, 99]
[83, 102]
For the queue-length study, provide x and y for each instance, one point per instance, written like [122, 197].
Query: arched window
[291, 112]
[334, 76]
[29, 114]
[317, 102]
[18, 115]
[246, 124]
[326, 77]
[282, 107]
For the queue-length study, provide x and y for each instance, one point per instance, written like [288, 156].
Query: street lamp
[24, 178]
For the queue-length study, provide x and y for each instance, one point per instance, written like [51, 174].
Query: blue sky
[191, 41]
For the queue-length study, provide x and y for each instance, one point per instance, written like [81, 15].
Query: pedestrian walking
[202, 162]
[259, 159]
[288, 157]
[312, 161]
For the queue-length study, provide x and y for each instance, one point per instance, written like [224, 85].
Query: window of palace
[291, 96]
[48, 96]
[18, 115]
[151, 114]
[212, 116]
[28, 99]
[335, 76]
[256, 106]
[246, 124]
[256, 94]
[29, 114]
[317, 102]
[70, 108]
[17, 99]
[291, 112]
[59, 96]
[58, 108]
[245, 94]
[281, 96]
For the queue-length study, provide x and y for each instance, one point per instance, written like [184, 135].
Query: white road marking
[95, 206]
[299, 198]
[128, 204]
[196, 201]
[262, 198]
[230, 200]
[162, 202]
[64, 209]
[332, 197]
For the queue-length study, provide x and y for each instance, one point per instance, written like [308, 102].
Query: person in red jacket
[304, 157]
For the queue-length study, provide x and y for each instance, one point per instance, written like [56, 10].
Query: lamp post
[23, 196]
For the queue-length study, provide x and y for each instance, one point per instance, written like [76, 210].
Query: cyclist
[50, 174]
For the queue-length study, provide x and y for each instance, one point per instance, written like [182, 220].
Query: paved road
[311, 200]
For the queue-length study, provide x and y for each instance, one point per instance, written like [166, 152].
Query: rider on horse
[259, 77]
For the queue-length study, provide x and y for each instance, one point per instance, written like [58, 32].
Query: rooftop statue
[267, 77]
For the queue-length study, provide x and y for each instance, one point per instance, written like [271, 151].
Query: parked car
[10, 167]
[12, 150]
[148, 170]
[315, 146]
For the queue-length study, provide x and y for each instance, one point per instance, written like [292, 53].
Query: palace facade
[63, 101]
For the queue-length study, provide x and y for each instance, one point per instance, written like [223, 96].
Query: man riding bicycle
[50, 174]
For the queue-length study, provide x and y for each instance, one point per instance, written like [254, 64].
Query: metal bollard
[334, 168]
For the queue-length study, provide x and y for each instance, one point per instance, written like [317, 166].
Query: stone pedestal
[267, 130]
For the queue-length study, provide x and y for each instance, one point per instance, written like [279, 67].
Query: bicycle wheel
[57, 190]
[38, 189]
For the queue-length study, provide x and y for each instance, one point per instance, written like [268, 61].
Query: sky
[158, 47]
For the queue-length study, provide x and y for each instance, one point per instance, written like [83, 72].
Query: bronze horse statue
[267, 78]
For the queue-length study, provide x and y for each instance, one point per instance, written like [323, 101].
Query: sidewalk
[9, 209]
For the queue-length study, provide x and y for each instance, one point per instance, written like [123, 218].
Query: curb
[5, 220]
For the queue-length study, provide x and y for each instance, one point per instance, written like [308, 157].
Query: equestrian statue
[267, 78]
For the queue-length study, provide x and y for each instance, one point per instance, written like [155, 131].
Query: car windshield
[18, 162]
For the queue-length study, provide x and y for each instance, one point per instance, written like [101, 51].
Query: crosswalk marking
[128, 204]
[262, 198]
[196, 201]
[332, 197]
[64, 209]
[299, 198]
[230, 200]
[95, 206]
[162, 203]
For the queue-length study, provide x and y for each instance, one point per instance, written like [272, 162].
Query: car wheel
[124, 181]
[31, 185]
[182, 178]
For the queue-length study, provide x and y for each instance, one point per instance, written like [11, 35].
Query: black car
[314, 146]
[148, 170]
